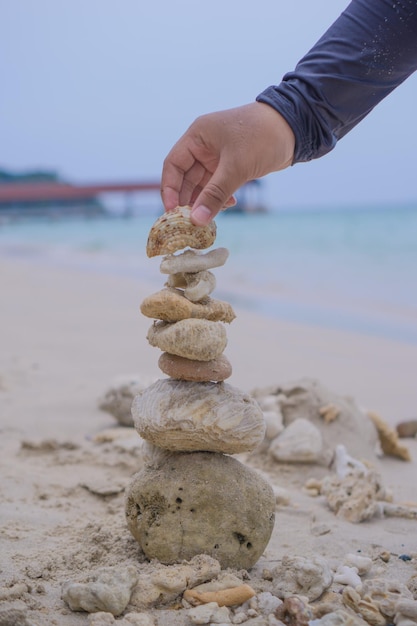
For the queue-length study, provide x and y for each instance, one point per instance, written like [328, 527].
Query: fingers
[215, 196]
[179, 161]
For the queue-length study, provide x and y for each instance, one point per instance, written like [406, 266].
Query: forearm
[365, 54]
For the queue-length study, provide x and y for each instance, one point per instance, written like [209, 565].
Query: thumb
[214, 197]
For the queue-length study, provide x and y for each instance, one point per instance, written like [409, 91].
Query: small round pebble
[180, 368]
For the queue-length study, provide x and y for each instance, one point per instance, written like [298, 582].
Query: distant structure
[44, 193]
[249, 199]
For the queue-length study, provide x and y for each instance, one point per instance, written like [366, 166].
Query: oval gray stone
[201, 503]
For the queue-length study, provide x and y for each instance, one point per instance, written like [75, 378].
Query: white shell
[186, 416]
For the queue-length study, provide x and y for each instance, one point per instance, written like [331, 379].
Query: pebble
[108, 589]
[346, 575]
[300, 442]
[309, 577]
[171, 305]
[407, 429]
[191, 416]
[209, 613]
[201, 502]
[362, 563]
[180, 368]
[195, 339]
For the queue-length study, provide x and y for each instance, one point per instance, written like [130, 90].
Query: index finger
[179, 160]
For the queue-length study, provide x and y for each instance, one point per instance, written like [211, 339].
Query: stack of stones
[192, 497]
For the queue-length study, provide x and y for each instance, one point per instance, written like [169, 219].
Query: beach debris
[210, 613]
[201, 502]
[171, 305]
[363, 564]
[15, 617]
[388, 438]
[117, 400]
[346, 575]
[298, 575]
[108, 589]
[356, 496]
[399, 510]
[384, 594]
[405, 612]
[329, 412]
[174, 231]
[294, 611]
[412, 585]
[188, 416]
[308, 399]
[343, 463]
[339, 618]
[195, 339]
[179, 368]
[131, 619]
[407, 429]
[162, 585]
[300, 442]
[103, 488]
[231, 596]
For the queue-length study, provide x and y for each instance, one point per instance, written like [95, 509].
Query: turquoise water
[350, 269]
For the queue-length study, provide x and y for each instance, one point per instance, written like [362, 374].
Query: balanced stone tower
[192, 497]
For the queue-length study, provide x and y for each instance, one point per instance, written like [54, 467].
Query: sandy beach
[66, 335]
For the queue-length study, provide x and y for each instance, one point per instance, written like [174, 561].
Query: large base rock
[201, 502]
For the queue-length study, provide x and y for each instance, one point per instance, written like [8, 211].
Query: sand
[65, 336]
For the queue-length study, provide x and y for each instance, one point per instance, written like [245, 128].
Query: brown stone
[197, 371]
[170, 305]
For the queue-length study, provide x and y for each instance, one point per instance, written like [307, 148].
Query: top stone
[174, 231]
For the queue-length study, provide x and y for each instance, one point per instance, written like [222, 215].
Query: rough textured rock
[306, 397]
[192, 261]
[185, 416]
[199, 340]
[179, 368]
[308, 577]
[300, 442]
[109, 589]
[201, 503]
[354, 497]
[171, 305]
[174, 231]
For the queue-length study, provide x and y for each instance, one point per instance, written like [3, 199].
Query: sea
[348, 269]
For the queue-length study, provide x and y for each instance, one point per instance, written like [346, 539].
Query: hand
[219, 153]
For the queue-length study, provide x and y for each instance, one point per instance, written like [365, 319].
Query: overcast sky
[101, 89]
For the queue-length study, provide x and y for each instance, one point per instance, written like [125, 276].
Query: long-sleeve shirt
[367, 52]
